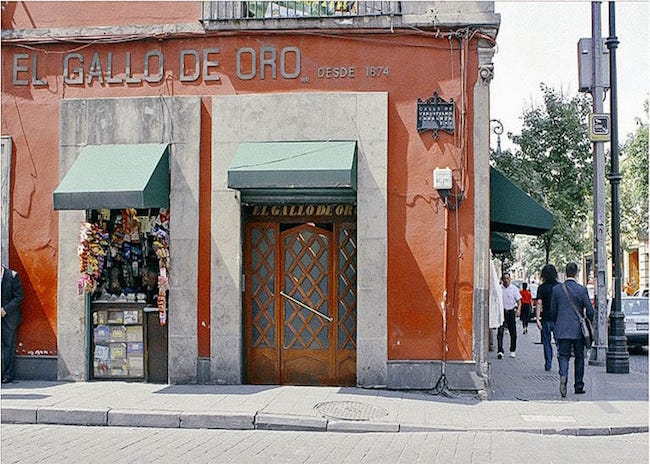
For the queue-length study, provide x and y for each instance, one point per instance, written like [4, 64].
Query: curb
[136, 418]
[264, 421]
[18, 416]
[208, 420]
[67, 416]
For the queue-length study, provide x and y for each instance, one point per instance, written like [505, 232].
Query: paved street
[639, 360]
[524, 421]
[26, 444]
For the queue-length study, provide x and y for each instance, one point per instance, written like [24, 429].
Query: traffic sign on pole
[599, 127]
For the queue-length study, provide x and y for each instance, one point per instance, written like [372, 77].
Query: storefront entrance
[300, 301]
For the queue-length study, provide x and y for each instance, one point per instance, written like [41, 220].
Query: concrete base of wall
[424, 375]
[36, 367]
[203, 371]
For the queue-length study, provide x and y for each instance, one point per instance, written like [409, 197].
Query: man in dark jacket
[568, 333]
[12, 296]
[545, 316]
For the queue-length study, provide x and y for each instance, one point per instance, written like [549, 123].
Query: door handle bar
[327, 318]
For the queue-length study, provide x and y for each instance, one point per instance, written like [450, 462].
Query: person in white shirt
[495, 309]
[512, 306]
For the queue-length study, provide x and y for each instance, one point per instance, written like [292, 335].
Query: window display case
[118, 340]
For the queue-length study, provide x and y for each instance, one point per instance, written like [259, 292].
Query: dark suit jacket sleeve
[13, 305]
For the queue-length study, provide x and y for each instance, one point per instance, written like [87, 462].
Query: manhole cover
[350, 410]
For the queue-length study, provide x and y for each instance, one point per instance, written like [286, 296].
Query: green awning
[116, 176]
[499, 243]
[513, 211]
[267, 171]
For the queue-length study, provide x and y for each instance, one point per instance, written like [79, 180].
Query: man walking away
[512, 306]
[545, 314]
[568, 334]
[12, 296]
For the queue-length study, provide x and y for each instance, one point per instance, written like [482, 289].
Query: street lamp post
[617, 358]
[599, 349]
[498, 130]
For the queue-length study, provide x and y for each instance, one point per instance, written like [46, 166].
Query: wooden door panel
[302, 367]
[306, 345]
[263, 370]
[346, 283]
[346, 369]
[286, 270]
[260, 301]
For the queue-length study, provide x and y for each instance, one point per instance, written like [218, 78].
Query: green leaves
[634, 185]
[553, 164]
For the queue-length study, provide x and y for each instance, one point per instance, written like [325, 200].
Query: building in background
[249, 190]
[635, 267]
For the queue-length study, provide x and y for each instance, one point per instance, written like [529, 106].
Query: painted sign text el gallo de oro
[261, 63]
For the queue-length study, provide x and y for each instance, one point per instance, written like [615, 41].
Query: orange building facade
[307, 241]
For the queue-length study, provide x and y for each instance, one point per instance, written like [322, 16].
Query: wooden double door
[300, 303]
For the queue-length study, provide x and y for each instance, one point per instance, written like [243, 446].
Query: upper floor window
[228, 10]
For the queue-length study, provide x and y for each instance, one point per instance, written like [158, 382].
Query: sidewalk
[523, 398]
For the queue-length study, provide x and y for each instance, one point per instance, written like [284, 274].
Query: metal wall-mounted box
[442, 179]
[586, 65]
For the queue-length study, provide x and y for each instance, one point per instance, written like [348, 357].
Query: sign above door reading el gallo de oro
[324, 210]
[125, 68]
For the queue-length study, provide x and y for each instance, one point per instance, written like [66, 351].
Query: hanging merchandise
[136, 262]
[160, 246]
[92, 249]
[131, 225]
[162, 311]
[163, 218]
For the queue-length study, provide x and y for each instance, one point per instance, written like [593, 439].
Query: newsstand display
[118, 339]
[123, 263]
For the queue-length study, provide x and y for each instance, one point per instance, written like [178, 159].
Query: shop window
[123, 259]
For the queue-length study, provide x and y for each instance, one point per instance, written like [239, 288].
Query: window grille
[229, 10]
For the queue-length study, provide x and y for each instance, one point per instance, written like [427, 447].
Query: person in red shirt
[526, 301]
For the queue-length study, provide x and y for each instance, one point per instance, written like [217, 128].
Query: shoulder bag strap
[573, 305]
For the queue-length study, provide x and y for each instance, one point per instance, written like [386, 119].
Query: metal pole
[599, 349]
[618, 358]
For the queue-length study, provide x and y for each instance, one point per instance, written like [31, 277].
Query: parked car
[641, 292]
[635, 310]
[533, 292]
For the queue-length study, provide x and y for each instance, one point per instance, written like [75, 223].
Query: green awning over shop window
[282, 170]
[116, 176]
[513, 211]
[499, 243]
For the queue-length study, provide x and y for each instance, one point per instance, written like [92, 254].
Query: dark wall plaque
[436, 114]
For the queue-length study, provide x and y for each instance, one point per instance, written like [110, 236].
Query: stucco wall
[414, 63]
[49, 14]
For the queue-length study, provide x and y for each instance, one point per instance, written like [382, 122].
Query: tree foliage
[553, 164]
[634, 185]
